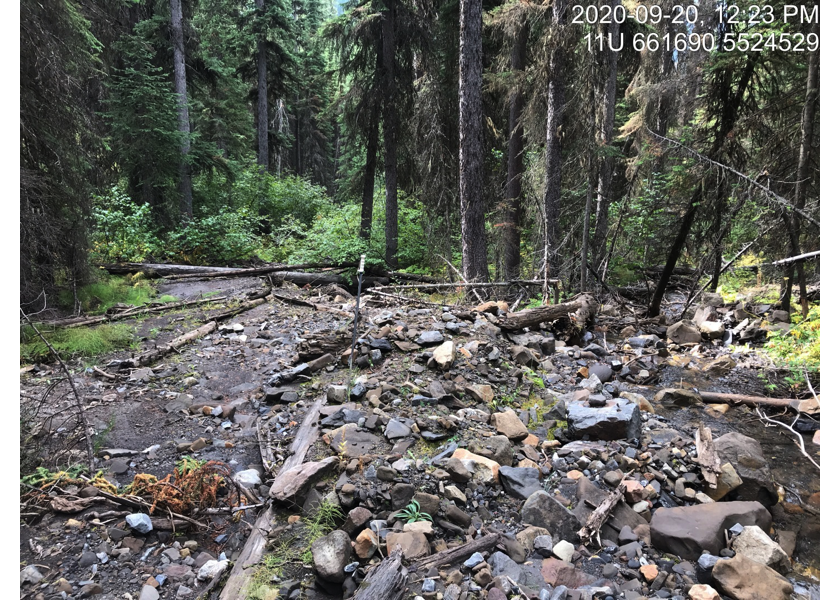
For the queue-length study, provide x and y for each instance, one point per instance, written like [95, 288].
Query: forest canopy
[594, 145]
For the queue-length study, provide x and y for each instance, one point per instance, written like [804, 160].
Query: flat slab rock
[619, 419]
[294, 483]
[688, 530]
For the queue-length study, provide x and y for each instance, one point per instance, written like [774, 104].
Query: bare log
[251, 272]
[312, 305]
[151, 356]
[794, 259]
[82, 321]
[254, 548]
[718, 398]
[580, 310]
[316, 279]
[460, 553]
[707, 456]
[160, 270]
[386, 580]
[599, 516]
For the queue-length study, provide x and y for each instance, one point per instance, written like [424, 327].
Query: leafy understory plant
[412, 514]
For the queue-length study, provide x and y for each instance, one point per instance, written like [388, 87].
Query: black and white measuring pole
[359, 274]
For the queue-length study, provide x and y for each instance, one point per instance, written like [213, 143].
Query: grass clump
[80, 341]
[98, 297]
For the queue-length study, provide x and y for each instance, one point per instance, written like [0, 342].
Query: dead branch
[599, 516]
[718, 398]
[707, 456]
[79, 406]
[453, 555]
[581, 310]
[312, 305]
[83, 321]
[801, 444]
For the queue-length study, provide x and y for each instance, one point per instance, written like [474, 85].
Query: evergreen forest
[593, 147]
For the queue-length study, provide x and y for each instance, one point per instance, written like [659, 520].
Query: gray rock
[139, 522]
[542, 510]
[148, 593]
[350, 441]
[396, 430]
[336, 394]
[619, 419]
[30, 574]
[757, 545]
[329, 555]
[520, 482]
[684, 332]
[430, 338]
[744, 453]
[543, 545]
[496, 447]
[601, 371]
[248, 478]
[744, 579]
[474, 560]
[688, 530]
[501, 564]
[401, 495]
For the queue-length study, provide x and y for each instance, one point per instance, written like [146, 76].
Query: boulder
[756, 545]
[414, 544]
[684, 332]
[520, 482]
[291, 487]
[543, 510]
[745, 579]
[713, 329]
[688, 530]
[329, 555]
[444, 355]
[509, 424]
[744, 453]
[524, 356]
[618, 419]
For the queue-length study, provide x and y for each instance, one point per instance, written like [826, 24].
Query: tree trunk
[471, 152]
[262, 98]
[389, 126]
[802, 178]
[553, 150]
[516, 163]
[183, 106]
[605, 173]
[587, 214]
[370, 174]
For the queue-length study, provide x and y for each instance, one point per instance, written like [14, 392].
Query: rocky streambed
[555, 463]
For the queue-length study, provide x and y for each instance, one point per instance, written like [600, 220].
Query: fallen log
[599, 516]
[459, 554]
[312, 305]
[252, 552]
[718, 398]
[316, 279]
[160, 270]
[253, 271]
[386, 580]
[466, 285]
[580, 310]
[82, 321]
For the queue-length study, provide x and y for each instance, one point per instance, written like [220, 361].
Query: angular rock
[603, 372]
[401, 495]
[248, 478]
[336, 394]
[291, 487]
[713, 329]
[329, 555]
[502, 564]
[542, 510]
[727, 481]
[756, 545]
[561, 573]
[497, 448]
[688, 530]
[414, 544]
[366, 543]
[139, 522]
[701, 591]
[480, 392]
[744, 453]
[744, 579]
[395, 430]
[457, 471]
[350, 441]
[524, 356]
[564, 550]
[639, 400]
[357, 519]
[430, 338]
[684, 332]
[527, 536]
[509, 424]
[212, 568]
[483, 469]
[520, 482]
[444, 355]
[619, 419]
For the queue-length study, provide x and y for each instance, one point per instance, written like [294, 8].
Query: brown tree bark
[370, 174]
[262, 98]
[389, 127]
[605, 173]
[511, 236]
[553, 149]
[185, 186]
[471, 151]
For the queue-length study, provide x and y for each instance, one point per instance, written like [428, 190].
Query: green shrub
[799, 348]
[122, 229]
[99, 296]
[227, 237]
